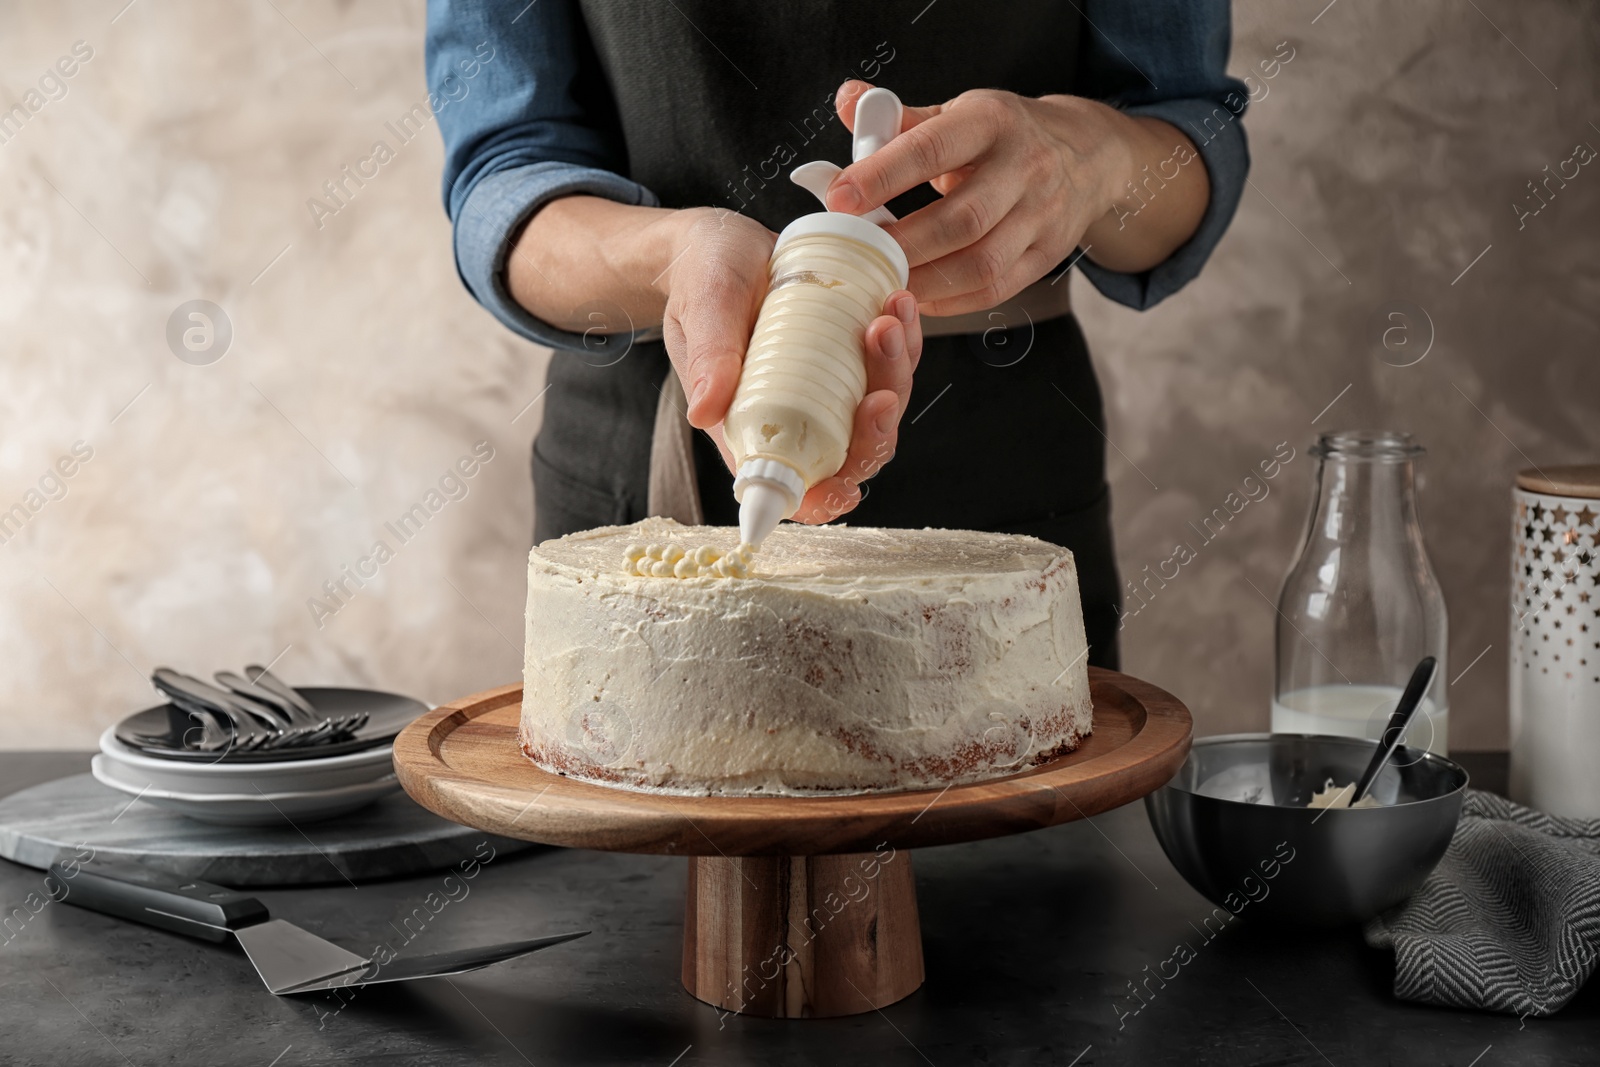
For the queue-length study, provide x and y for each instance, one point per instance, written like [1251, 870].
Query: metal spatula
[289, 959]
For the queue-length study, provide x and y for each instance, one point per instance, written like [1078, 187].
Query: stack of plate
[262, 788]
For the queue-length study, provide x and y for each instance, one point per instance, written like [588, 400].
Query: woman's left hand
[1024, 182]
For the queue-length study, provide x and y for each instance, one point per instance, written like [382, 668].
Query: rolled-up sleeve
[526, 117]
[1167, 59]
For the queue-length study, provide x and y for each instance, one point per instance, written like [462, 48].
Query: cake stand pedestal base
[802, 937]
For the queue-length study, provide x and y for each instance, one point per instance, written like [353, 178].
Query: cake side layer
[803, 682]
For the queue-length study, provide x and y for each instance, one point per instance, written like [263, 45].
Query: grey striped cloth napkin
[1510, 919]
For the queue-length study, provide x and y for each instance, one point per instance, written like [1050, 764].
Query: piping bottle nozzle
[768, 492]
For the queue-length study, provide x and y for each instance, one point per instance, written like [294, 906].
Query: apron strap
[674, 492]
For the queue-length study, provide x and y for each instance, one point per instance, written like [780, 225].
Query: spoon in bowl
[1404, 711]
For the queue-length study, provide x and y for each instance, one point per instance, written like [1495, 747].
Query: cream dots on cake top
[675, 561]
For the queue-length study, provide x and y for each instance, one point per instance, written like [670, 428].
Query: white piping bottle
[804, 373]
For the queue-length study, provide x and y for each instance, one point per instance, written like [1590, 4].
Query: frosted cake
[850, 660]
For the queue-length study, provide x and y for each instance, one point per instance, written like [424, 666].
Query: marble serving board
[389, 838]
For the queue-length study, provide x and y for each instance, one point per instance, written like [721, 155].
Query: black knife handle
[186, 906]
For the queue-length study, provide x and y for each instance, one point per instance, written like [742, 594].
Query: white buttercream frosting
[1338, 796]
[853, 660]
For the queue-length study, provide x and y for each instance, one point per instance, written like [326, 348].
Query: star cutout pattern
[1555, 571]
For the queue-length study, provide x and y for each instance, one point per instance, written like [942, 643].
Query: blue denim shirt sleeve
[1167, 59]
[520, 128]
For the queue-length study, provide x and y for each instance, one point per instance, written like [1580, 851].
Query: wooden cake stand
[797, 906]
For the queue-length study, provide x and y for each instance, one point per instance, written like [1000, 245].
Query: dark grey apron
[716, 102]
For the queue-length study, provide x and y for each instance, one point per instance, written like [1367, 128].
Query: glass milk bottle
[1361, 605]
[805, 371]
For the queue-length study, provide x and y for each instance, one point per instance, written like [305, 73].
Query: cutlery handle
[271, 682]
[172, 683]
[199, 909]
[281, 709]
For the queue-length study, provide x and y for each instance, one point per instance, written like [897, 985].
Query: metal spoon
[1410, 701]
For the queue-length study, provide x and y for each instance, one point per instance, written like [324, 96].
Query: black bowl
[1233, 821]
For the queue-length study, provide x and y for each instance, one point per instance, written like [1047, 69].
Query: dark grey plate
[387, 715]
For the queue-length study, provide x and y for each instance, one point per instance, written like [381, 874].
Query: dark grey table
[1031, 943]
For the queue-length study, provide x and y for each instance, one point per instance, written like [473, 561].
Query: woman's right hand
[714, 285]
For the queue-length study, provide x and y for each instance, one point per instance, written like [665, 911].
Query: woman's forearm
[583, 263]
[1159, 201]
[581, 259]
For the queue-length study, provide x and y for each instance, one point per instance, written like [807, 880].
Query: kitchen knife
[288, 959]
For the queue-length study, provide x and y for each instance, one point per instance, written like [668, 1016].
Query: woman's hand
[713, 287]
[1024, 182]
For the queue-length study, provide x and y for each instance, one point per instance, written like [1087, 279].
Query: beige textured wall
[220, 497]
[178, 166]
[1387, 156]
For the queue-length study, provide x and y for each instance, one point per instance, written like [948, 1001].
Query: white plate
[287, 776]
[248, 809]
